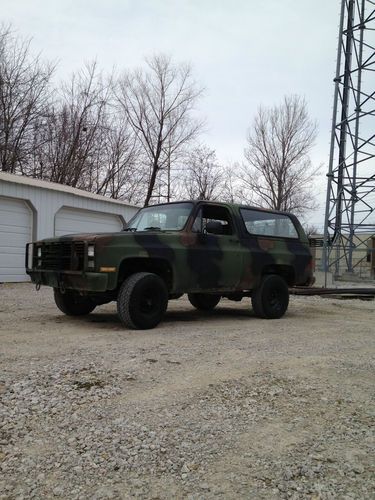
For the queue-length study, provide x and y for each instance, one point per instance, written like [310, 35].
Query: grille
[64, 256]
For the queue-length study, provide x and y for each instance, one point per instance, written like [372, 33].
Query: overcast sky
[244, 52]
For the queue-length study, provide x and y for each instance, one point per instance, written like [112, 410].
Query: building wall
[45, 203]
[363, 256]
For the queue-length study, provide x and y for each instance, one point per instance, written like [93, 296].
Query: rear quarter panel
[263, 253]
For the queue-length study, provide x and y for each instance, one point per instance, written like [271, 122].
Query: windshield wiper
[152, 228]
[133, 229]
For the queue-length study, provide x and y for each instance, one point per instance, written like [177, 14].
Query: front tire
[271, 299]
[73, 304]
[142, 301]
[204, 301]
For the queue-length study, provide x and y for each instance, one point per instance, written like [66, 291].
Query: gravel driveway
[218, 405]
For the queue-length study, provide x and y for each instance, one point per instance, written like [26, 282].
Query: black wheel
[204, 301]
[271, 299]
[142, 301]
[73, 304]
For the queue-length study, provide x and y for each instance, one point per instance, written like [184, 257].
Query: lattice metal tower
[350, 205]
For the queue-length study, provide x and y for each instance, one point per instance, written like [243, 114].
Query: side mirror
[214, 227]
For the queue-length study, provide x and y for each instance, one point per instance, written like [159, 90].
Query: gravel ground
[219, 405]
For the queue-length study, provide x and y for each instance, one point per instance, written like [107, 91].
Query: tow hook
[37, 286]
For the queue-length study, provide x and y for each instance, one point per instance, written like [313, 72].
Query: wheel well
[138, 264]
[286, 272]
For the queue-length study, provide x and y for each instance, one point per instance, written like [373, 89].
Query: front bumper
[77, 280]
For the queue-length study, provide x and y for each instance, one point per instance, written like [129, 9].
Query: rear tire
[73, 304]
[204, 301]
[142, 301]
[271, 299]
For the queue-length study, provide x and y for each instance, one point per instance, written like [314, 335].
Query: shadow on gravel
[172, 316]
[111, 320]
[220, 312]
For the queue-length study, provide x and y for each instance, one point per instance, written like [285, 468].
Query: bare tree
[72, 132]
[84, 142]
[120, 174]
[311, 230]
[231, 185]
[75, 135]
[24, 91]
[158, 103]
[278, 173]
[201, 177]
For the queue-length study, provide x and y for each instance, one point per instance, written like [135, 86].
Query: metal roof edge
[54, 186]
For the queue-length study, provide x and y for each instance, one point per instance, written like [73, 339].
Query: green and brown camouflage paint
[188, 261]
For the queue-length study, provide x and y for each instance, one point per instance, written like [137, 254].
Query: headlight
[90, 256]
[30, 256]
[39, 252]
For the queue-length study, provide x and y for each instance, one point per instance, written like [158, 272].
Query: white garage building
[31, 209]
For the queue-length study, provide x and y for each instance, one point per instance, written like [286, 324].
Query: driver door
[215, 258]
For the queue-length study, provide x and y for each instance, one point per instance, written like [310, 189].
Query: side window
[213, 220]
[268, 224]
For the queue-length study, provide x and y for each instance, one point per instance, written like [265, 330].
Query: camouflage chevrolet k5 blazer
[205, 249]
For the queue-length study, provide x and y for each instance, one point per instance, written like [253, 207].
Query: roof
[54, 186]
[226, 204]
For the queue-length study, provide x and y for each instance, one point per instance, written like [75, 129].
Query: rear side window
[268, 224]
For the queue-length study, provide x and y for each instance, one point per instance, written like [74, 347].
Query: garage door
[72, 220]
[15, 232]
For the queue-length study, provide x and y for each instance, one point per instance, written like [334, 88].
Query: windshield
[171, 217]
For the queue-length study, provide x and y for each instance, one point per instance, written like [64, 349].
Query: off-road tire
[204, 301]
[142, 301]
[73, 304]
[271, 299]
